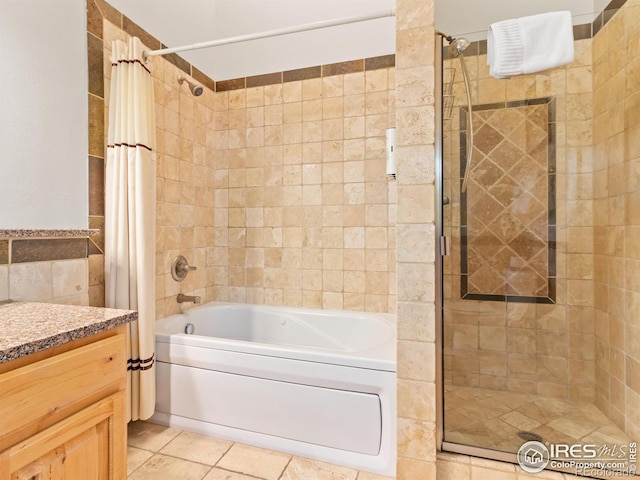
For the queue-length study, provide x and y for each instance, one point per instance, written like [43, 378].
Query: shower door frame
[441, 444]
[439, 233]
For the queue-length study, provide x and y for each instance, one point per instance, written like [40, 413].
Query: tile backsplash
[44, 270]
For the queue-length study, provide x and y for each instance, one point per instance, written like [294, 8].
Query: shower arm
[469, 149]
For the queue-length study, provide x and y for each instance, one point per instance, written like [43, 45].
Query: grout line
[240, 473]
[143, 463]
[285, 467]
[184, 459]
[225, 452]
[207, 473]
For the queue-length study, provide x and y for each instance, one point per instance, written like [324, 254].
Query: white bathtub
[315, 383]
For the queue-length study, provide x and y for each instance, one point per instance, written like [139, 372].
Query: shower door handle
[445, 245]
[445, 200]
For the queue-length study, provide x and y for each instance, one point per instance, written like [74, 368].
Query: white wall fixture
[391, 153]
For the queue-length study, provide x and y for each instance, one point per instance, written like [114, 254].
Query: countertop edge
[47, 233]
[13, 353]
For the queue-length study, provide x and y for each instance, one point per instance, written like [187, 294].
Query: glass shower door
[519, 356]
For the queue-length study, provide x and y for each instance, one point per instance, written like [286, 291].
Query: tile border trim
[551, 209]
[29, 250]
[307, 73]
[14, 250]
[4, 252]
[580, 32]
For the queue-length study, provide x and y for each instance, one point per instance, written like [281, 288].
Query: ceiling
[184, 22]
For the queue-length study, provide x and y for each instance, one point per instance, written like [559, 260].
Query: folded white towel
[530, 44]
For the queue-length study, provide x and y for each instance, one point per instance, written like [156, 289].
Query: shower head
[196, 89]
[458, 45]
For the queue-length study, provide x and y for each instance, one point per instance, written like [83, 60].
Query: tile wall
[184, 154]
[608, 170]
[415, 154]
[505, 210]
[96, 148]
[185, 192]
[542, 348]
[305, 215]
[616, 188]
[53, 270]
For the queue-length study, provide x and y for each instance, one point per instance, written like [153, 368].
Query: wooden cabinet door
[37, 396]
[86, 446]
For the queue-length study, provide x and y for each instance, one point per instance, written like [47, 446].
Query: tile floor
[161, 453]
[492, 419]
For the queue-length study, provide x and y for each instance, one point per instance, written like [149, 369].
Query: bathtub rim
[381, 357]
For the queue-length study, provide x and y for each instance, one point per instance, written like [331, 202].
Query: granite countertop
[44, 233]
[29, 327]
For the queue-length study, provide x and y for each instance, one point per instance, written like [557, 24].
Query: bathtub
[315, 383]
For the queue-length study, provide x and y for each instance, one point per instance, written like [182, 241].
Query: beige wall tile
[614, 272]
[318, 213]
[31, 281]
[416, 440]
[70, 277]
[416, 361]
[4, 282]
[416, 400]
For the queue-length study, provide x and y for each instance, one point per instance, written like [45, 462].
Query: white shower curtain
[130, 216]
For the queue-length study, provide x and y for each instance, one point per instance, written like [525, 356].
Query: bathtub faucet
[188, 298]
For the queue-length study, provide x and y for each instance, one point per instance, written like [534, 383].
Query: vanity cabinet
[63, 411]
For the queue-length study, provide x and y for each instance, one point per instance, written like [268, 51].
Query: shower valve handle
[180, 268]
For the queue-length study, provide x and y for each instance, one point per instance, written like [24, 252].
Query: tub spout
[188, 298]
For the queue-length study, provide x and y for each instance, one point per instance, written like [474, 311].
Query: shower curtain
[130, 214]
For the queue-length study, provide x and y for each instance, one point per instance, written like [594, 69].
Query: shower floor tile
[156, 452]
[476, 417]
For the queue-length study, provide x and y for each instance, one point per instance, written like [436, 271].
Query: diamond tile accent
[507, 202]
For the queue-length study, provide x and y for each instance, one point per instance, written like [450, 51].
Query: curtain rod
[274, 33]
